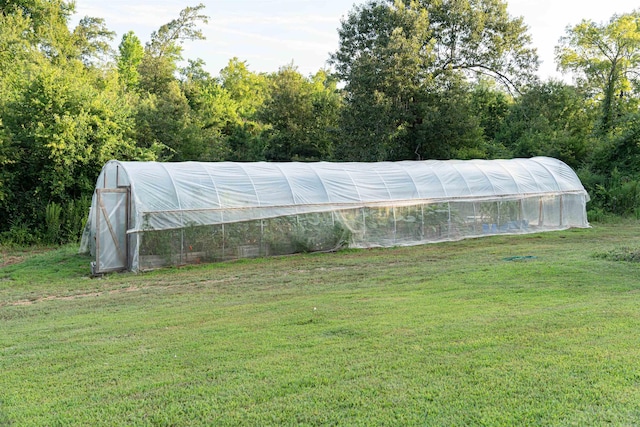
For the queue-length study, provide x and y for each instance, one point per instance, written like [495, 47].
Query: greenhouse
[146, 215]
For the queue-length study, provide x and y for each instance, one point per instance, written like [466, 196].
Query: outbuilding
[149, 214]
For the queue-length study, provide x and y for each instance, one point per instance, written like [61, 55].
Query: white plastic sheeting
[172, 196]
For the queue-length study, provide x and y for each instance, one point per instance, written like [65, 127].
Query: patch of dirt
[99, 293]
[6, 260]
[10, 257]
[76, 296]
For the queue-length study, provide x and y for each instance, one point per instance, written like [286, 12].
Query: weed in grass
[622, 253]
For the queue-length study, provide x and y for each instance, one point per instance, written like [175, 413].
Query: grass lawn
[538, 329]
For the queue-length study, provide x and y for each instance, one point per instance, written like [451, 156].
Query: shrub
[52, 220]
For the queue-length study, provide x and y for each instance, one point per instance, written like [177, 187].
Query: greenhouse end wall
[146, 215]
[365, 227]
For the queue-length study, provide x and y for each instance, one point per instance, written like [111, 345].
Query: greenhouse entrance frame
[112, 219]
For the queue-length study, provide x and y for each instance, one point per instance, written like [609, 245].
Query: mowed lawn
[539, 329]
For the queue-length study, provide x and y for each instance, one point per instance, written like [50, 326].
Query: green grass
[510, 330]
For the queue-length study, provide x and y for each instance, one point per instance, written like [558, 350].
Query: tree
[210, 101]
[164, 50]
[246, 137]
[91, 39]
[384, 47]
[327, 103]
[383, 60]
[165, 121]
[300, 113]
[246, 88]
[17, 55]
[165, 117]
[167, 41]
[605, 62]
[550, 119]
[188, 119]
[477, 37]
[63, 126]
[480, 38]
[130, 54]
[447, 126]
[47, 28]
[247, 142]
[490, 105]
[15, 48]
[623, 152]
[403, 62]
[212, 110]
[56, 126]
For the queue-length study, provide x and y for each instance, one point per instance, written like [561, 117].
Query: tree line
[427, 79]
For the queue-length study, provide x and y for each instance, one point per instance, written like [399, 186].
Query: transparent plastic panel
[196, 189]
[564, 177]
[353, 221]
[271, 186]
[541, 175]
[235, 188]
[409, 226]
[532, 211]
[152, 187]
[424, 178]
[501, 180]
[109, 177]
[453, 181]
[397, 181]
[322, 232]
[134, 251]
[359, 228]
[436, 219]
[525, 180]
[87, 242]
[240, 192]
[380, 226]
[340, 186]
[306, 183]
[573, 213]
[112, 251]
[487, 215]
[471, 177]
[371, 187]
[469, 224]
[508, 214]
[552, 217]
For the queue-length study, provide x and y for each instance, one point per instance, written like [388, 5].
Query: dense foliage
[409, 80]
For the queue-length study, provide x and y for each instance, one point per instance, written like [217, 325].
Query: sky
[269, 34]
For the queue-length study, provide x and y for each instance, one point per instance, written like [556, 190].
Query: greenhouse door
[112, 222]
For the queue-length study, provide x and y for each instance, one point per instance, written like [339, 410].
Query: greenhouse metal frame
[146, 215]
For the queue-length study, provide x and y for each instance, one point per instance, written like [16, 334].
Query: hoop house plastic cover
[172, 196]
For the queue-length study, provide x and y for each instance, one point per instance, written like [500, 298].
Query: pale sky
[269, 34]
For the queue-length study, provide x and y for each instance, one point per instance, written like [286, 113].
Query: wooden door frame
[123, 252]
